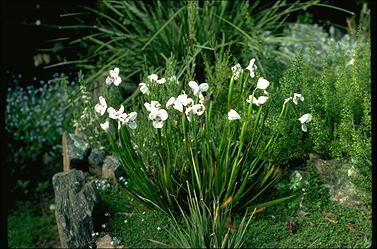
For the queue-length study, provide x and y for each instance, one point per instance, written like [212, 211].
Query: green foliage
[35, 120]
[207, 227]
[119, 37]
[27, 228]
[224, 161]
[321, 223]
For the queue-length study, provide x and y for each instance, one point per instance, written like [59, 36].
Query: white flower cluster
[304, 119]
[34, 116]
[102, 184]
[182, 103]
[118, 115]
[153, 78]
[262, 84]
[123, 180]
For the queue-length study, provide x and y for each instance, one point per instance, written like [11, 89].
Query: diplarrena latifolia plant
[190, 142]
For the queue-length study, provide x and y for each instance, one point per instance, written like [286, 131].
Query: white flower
[130, 120]
[105, 126]
[154, 105]
[287, 100]
[236, 71]
[198, 109]
[153, 77]
[116, 114]
[114, 77]
[251, 67]
[144, 88]
[158, 117]
[233, 115]
[306, 118]
[257, 101]
[262, 83]
[170, 102]
[198, 89]
[101, 106]
[158, 228]
[297, 97]
[161, 81]
[182, 98]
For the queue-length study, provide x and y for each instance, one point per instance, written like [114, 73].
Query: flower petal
[194, 86]
[163, 114]
[117, 81]
[105, 126]
[233, 115]
[262, 83]
[203, 87]
[170, 102]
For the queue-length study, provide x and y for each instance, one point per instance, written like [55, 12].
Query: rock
[334, 174]
[106, 242]
[77, 209]
[95, 160]
[111, 169]
[75, 152]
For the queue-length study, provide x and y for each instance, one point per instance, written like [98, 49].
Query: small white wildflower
[153, 106]
[131, 120]
[233, 115]
[144, 88]
[170, 102]
[142, 220]
[101, 106]
[257, 101]
[198, 109]
[304, 119]
[103, 225]
[113, 77]
[158, 228]
[251, 67]
[143, 212]
[161, 81]
[114, 114]
[153, 77]
[297, 97]
[125, 221]
[198, 89]
[158, 117]
[105, 126]
[236, 71]
[107, 214]
[262, 83]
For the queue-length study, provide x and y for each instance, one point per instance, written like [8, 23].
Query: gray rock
[75, 152]
[77, 208]
[96, 159]
[111, 169]
[335, 175]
